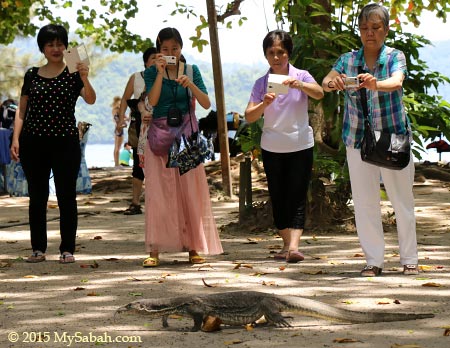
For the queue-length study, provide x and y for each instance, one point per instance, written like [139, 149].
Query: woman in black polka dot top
[46, 133]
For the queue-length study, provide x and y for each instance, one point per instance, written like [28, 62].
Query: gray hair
[374, 9]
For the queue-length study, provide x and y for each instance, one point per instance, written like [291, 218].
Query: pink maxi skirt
[178, 213]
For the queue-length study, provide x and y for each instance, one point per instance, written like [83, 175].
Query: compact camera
[170, 60]
[174, 117]
[351, 82]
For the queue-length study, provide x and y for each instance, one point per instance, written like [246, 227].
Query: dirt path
[60, 302]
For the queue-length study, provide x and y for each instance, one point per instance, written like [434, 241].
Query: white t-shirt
[139, 84]
[286, 122]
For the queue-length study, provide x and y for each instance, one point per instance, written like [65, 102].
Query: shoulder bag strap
[362, 92]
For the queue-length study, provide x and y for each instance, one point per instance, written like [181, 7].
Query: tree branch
[232, 10]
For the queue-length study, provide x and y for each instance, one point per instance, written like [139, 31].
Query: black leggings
[137, 172]
[39, 156]
[288, 176]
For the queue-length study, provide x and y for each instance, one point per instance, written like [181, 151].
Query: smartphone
[170, 60]
[351, 82]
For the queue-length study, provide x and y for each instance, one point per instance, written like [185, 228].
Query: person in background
[8, 113]
[125, 155]
[47, 121]
[178, 213]
[384, 70]
[287, 140]
[134, 88]
[118, 129]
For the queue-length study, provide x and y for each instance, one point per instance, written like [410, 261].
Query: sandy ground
[49, 305]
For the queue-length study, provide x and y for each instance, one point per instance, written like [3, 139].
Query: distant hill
[112, 79]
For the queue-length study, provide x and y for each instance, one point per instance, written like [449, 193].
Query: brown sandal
[36, 256]
[410, 270]
[371, 271]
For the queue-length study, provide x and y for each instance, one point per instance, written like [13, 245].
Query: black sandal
[371, 271]
[133, 209]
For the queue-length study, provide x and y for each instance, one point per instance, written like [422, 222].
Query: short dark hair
[51, 32]
[374, 9]
[167, 34]
[284, 37]
[148, 52]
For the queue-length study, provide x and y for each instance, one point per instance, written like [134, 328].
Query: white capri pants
[365, 183]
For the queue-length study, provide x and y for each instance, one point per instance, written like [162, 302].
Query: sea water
[101, 156]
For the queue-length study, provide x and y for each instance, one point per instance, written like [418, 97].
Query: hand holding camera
[170, 60]
[351, 82]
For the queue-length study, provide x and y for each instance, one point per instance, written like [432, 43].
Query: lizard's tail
[318, 309]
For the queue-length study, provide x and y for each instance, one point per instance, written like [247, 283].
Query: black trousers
[288, 177]
[39, 156]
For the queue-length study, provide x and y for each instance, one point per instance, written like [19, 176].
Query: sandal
[36, 256]
[133, 209]
[66, 257]
[281, 256]
[294, 256]
[196, 259]
[371, 271]
[410, 270]
[151, 262]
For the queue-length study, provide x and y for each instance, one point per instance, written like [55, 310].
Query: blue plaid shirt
[386, 109]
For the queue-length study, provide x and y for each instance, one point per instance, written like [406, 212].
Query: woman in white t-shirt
[287, 140]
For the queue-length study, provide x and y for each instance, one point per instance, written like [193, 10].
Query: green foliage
[107, 26]
[323, 30]
[250, 141]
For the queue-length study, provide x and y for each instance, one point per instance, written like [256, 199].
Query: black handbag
[383, 149]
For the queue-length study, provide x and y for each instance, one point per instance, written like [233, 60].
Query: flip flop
[281, 256]
[150, 262]
[294, 256]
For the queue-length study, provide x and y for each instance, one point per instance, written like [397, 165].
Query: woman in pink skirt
[178, 214]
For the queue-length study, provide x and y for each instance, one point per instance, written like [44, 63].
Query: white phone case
[75, 55]
[275, 84]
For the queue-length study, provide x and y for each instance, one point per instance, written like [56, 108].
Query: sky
[241, 44]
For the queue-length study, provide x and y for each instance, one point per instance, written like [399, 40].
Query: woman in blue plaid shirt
[383, 72]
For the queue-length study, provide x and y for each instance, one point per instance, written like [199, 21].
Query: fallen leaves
[229, 343]
[135, 294]
[312, 271]
[346, 340]
[211, 324]
[92, 265]
[239, 265]
[207, 285]
[432, 285]
[4, 264]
